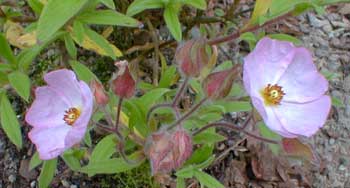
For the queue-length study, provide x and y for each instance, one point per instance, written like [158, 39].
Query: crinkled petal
[304, 119]
[49, 141]
[266, 64]
[78, 130]
[65, 83]
[301, 81]
[47, 109]
[270, 118]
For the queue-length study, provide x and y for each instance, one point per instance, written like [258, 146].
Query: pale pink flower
[286, 88]
[59, 114]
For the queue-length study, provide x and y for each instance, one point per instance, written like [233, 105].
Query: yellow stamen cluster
[272, 94]
[71, 115]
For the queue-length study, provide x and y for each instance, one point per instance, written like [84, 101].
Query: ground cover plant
[162, 99]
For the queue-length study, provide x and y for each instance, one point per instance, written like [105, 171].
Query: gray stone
[73, 186]
[315, 21]
[65, 183]
[346, 84]
[12, 178]
[331, 141]
[342, 167]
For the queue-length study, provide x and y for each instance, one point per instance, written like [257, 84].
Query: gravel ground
[328, 36]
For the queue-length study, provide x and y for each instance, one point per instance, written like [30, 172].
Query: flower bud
[123, 84]
[182, 147]
[218, 84]
[167, 151]
[99, 92]
[192, 57]
[159, 151]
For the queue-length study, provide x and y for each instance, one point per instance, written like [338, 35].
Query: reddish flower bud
[167, 151]
[192, 56]
[159, 151]
[218, 84]
[123, 84]
[182, 146]
[99, 92]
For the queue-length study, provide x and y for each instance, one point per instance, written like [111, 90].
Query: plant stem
[180, 92]
[237, 34]
[233, 127]
[187, 114]
[149, 113]
[118, 116]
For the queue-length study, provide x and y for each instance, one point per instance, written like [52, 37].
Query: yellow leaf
[89, 44]
[261, 7]
[16, 35]
[107, 32]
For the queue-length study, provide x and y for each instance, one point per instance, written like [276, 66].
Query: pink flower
[286, 88]
[59, 114]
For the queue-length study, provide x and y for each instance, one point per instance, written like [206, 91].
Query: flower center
[272, 94]
[71, 115]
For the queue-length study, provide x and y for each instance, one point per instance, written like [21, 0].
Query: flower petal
[49, 141]
[65, 83]
[301, 81]
[47, 109]
[266, 64]
[77, 133]
[304, 119]
[270, 118]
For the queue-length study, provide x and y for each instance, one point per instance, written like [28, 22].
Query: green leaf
[9, 121]
[151, 97]
[250, 38]
[186, 172]
[114, 165]
[201, 154]
[4, 67]
[208, 137]
[21, 83]
[285, 37]
[199, 4]
[82, 71]
[207, 180]
[55, 14]
[104, 149]
[267, 133]
[168, 77]
[71, 160]
[137, 118]
[36, 5]
[108, 17]
[138, 6]
[34, 161]
[337, 102]
[47, 173]
[108, 3]
[5, 50]
[235, 106]
[180, 183]
[206, 163]
[87, 138]
[172, 21]
[78, 31]
[70, 46]
[101, 42]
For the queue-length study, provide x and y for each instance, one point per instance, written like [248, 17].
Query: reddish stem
[237, 34]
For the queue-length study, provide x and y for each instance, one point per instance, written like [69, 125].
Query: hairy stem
[187, 114]
[153, 108]
[237, 34]
[118, 117]
[180, 92]
[233, 127]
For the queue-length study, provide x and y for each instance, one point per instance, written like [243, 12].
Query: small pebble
[32, 184]
[73, 186]
[331, 141]
[65, 183]
[12, 178]
[342, 167]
